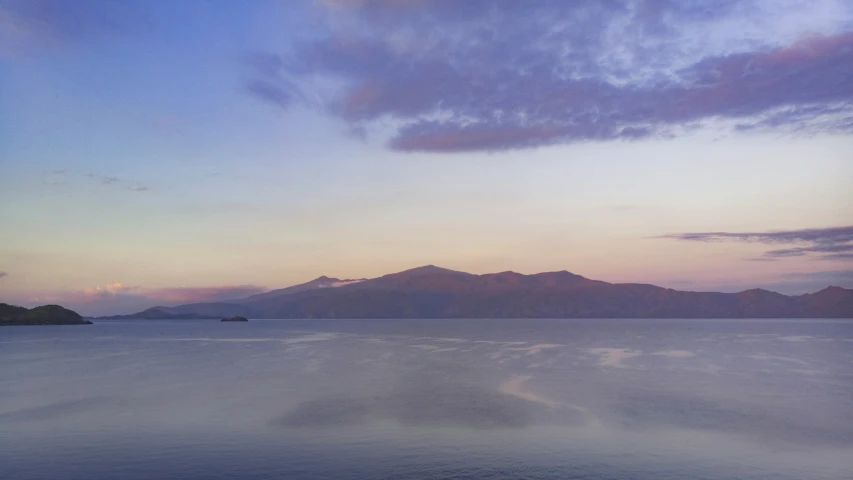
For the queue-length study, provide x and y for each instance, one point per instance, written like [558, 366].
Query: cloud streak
[469, 76]
[58, 178]
[28, 26]
[3, 274]
[834, 243]
[111, 180]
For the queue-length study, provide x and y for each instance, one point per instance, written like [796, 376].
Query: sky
[158, 153]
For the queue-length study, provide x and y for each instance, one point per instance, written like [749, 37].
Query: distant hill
[44, 315]
[433, 292]
[160, 313]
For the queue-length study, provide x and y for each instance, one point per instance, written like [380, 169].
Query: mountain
[434, 292]
[43, 315]
[832, 302]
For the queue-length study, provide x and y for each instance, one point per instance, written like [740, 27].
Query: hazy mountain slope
[321, 282]
[160, 313]
[219, 310]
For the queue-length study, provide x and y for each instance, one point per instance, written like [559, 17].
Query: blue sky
[161, 152]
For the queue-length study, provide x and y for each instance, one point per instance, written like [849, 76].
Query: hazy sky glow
[165, 152]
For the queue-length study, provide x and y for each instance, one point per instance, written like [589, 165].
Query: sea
[428, 399]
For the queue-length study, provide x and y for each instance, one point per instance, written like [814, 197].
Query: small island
[43, 315]
[236, 318]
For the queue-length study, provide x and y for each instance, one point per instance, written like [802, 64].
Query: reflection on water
[428, 399]
[431, 397]
[56, 410]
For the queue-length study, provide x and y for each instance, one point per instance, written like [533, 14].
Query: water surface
[413, 399]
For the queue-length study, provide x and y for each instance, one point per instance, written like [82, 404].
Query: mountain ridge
[434, 292]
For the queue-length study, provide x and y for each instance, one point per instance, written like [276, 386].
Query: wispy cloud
[104, 180]
[30, 25]
[55, 178]
[464, 76]
[269, 81]
[62, 177]
[834, 243]
[831, 234]
[4, 274]
[269, 92]
[801, 251]
[111, 180]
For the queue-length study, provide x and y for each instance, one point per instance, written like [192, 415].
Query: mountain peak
[757, 291]
[833, 290]
[428, 270]
[563, 273]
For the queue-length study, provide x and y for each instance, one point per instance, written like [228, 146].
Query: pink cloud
[807, 50]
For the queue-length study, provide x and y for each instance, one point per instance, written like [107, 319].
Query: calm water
[413, 399]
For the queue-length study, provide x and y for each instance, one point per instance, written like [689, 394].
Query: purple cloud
[494, 75]
[4, 274]
[835, 243]
[818, 235]
[798, 252]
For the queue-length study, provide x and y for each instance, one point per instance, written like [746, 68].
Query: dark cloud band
[835, 243]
